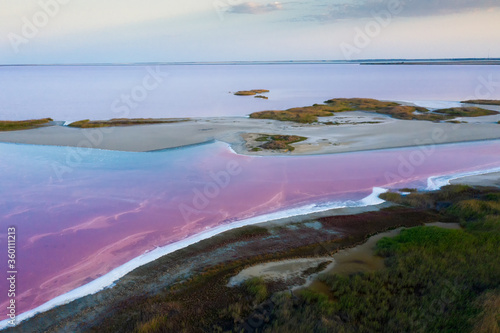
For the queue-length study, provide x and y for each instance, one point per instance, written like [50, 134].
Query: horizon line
[228, 62]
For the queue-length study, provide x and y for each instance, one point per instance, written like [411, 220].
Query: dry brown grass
[489, 320]
[310, 114]
[7, 125]
[305, 115]
[122, 122]
[361, 104]
[251, 92]
[280, 142]
[467, 112]
[483, 101]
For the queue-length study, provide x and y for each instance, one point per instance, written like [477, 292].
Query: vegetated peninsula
[310, 114]
[482, 101]
[427, 278]
[123, 122]
[7, 125]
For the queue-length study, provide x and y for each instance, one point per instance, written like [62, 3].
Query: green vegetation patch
[405, 112]
[7, 125]
[467, 112]
[122, 122]
[304, 115]
[359, 104]
[279, 142]
[482, 101]
[257, 288]
[408, 190]
[435, 280]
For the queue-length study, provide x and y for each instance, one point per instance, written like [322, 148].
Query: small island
[482, 101]
[123, 122]
[310, 114]
[252, 92]
[281, 143]
[466, 112]
[8, 125]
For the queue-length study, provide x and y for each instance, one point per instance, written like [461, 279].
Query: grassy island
[466, 112]
[7, 125]
[251, 92]
[304, 115]
[278, 142]
[122, 122]
[482, 101]
[310, 114]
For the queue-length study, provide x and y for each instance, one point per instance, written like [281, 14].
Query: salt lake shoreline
[369, 204]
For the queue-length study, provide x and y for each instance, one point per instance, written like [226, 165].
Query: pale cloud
[255, 8]
[408, 8]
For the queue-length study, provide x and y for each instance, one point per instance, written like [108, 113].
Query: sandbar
[354, 131]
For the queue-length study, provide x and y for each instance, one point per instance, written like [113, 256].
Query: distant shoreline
[492, 62]
[458, 61]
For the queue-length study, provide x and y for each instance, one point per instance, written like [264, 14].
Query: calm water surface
[95, 92]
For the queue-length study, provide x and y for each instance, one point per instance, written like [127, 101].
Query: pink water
[114, 206]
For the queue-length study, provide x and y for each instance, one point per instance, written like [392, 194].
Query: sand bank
[488, 179]
[357, 131]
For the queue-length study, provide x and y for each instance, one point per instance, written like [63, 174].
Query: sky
[125, 31]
